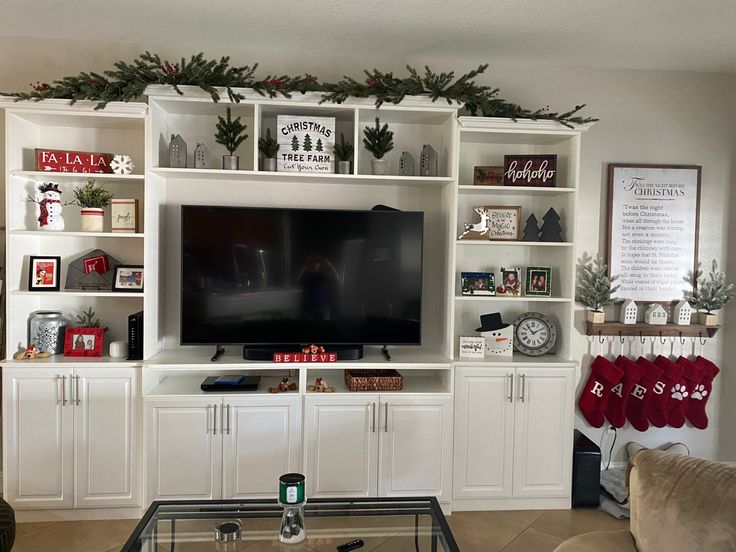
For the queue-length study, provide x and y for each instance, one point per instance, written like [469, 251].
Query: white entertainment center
[88, 438]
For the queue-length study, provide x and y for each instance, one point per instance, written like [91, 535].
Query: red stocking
[664, 392]
[616, 407]
[692, 374]
[695, 409]
[641, 393]
[604, 375]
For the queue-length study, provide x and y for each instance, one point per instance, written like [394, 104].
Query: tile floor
[537, 531]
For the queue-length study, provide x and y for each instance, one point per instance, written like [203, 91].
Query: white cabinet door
[484, 432]
[183, 448]
[543, 432]
[341, 445]
[262, 441]
[415, 446]
[105, 403]
[38, 441]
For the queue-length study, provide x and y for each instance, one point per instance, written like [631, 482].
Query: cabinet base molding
[493, 504]
[78, 514]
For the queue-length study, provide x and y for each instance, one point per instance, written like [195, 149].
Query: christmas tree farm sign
[306, 144]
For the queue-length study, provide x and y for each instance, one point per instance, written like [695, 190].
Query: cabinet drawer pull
[59, 390]
[385, 417]
[76, 390]
[214, 420]
[522, 387]
[63, 390]
[511, 387]
[373, 416]
[228, 418]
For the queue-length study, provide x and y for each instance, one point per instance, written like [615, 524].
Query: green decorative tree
[268, 146]
[343, 150]
[594, 287]
[88, 319]
[709, 293]
[319, 146]
[92, 196]
[307, 143]
[294, 143]
[230, 132]
[378, 140]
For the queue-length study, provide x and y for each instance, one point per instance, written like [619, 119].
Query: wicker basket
[374, 380]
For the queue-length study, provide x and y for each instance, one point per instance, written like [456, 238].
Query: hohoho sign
[530, 170]
[72, 161]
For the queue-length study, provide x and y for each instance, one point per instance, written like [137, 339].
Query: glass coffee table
[382, 524]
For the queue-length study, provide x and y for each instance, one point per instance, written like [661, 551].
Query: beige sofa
[678, 504]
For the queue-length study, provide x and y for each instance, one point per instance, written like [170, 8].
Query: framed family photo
[128, 278]
[478, 283]
[510, 282]
[538, 281]
[83, 342]
[43, 273]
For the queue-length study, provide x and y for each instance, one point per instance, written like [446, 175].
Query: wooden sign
[72, 161]
[305, 357]
[306, 144]
[503, 223]
[124, 215]
[530, 170]
[472, 347]
[488, 176]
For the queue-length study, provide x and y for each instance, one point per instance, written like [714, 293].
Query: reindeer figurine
[481, 228]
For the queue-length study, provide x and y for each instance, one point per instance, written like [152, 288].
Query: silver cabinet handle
[227, 417]
[522, 387]
[373, 416]
[59, 389]
[63, 390]
[510, 377]
[385, 417]
[214, 420]
[76, 390]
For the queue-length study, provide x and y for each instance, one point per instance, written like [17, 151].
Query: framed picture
[478, 283]
[530, 170]
[510, 282]
[487, 176]
[653, 220]
[538, 281]
[128, 278]
[472, 347]
[124, 215]
[503, 222]
[99, 264]
[43, 273]
[86, 342]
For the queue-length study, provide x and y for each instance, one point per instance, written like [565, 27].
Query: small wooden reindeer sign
[478, 230]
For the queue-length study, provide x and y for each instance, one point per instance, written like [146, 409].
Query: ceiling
[646, 34]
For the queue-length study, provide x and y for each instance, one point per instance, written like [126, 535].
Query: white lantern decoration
[655, 315]
[629, 312]
[682, 313]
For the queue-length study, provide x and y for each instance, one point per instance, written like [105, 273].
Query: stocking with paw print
[665, 390]
[692, 374]
[695, 408]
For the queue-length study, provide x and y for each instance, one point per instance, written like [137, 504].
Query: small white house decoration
[682, 313]
[655, 315]
[629, 311]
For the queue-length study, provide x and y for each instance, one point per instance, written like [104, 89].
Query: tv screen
[257, 276]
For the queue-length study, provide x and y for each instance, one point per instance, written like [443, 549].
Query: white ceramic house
[682, 313]
[655, 314]
[629, 311]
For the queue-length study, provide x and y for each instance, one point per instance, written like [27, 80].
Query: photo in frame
[503, 222]
[538, 281]
[44, 273]
[653, 229]
[128, 278]
[99, 264]
[487, 176]
[84, 342]
[510, 282]
[478, 283]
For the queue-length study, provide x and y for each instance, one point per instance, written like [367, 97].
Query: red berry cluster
[40, 88]
[172, 70]
[274, 83]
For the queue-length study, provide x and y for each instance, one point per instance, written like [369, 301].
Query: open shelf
[77, 176]
[64, 234]
[517, 360]
[513, 190]
[652, 330]
[178, 385]
[489, 243]
[62, 361]
[521, 298]
[423, 384]
[80, 293]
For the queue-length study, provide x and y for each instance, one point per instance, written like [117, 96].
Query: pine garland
[594, 287]
[709, 293]
[128, 81]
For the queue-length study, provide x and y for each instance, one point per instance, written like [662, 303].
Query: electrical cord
[613, 444]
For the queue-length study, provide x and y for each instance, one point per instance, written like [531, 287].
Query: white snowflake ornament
[122, 164]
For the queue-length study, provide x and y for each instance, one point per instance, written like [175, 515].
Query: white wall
[646, 117]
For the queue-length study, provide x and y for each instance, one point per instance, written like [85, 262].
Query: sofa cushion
[599, 541]
[681, 504]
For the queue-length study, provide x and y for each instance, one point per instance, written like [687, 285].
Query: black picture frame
[116, 283]
[34, 284]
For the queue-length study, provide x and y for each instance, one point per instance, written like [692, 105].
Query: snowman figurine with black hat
[499, 337]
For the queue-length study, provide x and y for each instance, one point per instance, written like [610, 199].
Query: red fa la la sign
[72, 161]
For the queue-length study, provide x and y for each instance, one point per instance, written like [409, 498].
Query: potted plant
[88, 319]
[230, 133]
[709, 293]
[343, 152]
[594, 288]
[269, 148]
[378, 140]
[92, 199]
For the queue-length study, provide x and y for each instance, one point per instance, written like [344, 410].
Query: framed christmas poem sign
[653, 220]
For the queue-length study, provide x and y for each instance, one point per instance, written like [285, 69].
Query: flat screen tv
[261, 276]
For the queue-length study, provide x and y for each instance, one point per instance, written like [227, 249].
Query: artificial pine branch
[594, 287]
[92, 196]
[88, 319]
[343, 150]
[230, 132]
[709, 293]
[268, 146]
[379, 140]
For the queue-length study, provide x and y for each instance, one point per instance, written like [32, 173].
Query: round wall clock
[534, 334]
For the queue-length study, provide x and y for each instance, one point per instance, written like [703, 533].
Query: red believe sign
[72, 161]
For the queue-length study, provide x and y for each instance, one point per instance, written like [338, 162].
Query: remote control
[352, 545]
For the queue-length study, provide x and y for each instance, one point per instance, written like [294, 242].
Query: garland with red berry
[128, 81]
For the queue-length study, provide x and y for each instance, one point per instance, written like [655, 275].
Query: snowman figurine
[499, 337]
[48, 207]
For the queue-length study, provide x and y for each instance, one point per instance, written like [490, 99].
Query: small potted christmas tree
[709, 293]
[230, 133]
[92, 199]
[378, 140]
[343, 152]
[269, 148]
[594, 288]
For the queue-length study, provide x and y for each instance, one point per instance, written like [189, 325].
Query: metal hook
[643, 340]
[600, 338]
[621, 337]
[682, 339]
[700, 338]
[662, 341]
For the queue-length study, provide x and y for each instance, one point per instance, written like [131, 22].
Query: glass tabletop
[382, 524]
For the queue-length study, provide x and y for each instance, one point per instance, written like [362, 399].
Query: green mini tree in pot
[594, 288]
[92, 199]
[378, 140]
[709, 293]
[230, 133]
[343, 152]
[269, 148]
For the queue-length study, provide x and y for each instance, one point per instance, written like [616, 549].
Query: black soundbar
[265, 352]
